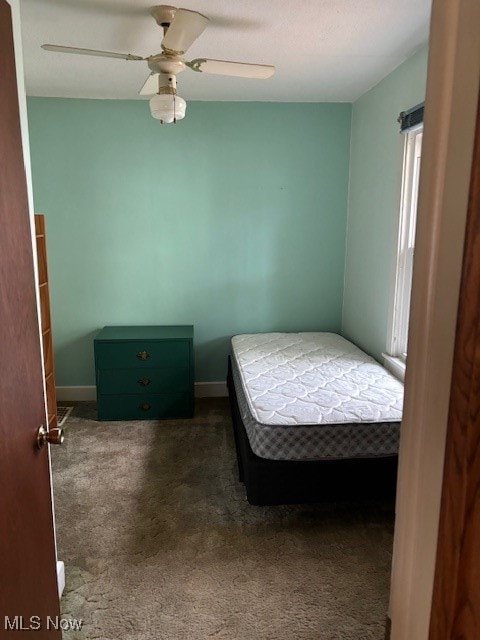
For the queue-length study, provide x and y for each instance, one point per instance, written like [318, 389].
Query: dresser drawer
[168, 354]
[145, 406]
[144, 380]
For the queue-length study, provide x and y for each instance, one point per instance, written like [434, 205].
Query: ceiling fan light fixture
[181, 28]
[167, 108]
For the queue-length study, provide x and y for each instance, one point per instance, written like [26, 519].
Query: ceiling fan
[181, 27]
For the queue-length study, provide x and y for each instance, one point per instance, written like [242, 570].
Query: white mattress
[314, 396]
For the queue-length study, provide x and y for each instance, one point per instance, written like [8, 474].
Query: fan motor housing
[162, 63]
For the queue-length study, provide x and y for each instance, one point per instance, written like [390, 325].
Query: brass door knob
[52, 436]
[145, 406]
[143, 355]
[144, 381]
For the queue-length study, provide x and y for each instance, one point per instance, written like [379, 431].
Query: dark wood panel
[47, 352]
[45, 306]
[456, 598]
[51, 400]
[42, 261]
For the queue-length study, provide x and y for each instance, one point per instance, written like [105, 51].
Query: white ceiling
[324, 50]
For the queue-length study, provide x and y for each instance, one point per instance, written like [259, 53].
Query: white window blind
[406, 242]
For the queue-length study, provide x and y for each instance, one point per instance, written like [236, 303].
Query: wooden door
[28, 580]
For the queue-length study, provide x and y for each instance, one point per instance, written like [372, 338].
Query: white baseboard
[60, 577]
[89, 393]
[394, 365]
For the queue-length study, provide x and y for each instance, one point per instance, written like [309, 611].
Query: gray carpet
[159, 541]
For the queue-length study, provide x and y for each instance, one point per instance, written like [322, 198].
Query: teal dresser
[144, 373]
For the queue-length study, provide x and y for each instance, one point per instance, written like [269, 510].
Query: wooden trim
[456, 596]
[450, 117]
[46, 321]
[77, 393]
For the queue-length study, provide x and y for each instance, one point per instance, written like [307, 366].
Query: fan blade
[150, 86]
[90, 52]
[184, 30]
[226, 68]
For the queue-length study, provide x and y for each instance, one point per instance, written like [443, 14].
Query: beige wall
[452, 93]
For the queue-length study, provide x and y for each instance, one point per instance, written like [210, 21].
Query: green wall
[233, 220]
[374, 202]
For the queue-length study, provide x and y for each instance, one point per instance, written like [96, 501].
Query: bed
[314, 418]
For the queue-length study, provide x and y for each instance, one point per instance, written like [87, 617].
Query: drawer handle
[144, 381]
[145, 406]
[143, 355]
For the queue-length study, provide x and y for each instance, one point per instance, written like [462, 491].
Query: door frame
[450, 116]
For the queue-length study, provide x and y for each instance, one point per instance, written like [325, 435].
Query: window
[398, 334]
